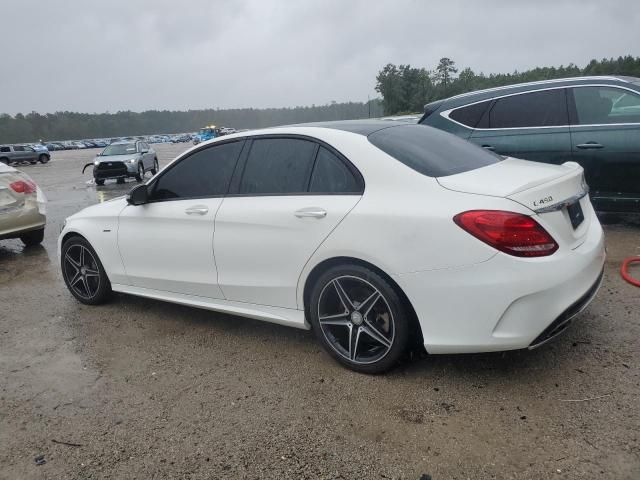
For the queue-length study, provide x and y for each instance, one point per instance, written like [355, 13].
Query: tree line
[406, 89]
[34, 126]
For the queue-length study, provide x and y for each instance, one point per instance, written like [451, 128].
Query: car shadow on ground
[508, 365]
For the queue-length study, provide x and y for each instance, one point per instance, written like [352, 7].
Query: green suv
[594, 121]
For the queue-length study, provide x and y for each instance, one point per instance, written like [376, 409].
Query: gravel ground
[143, 389]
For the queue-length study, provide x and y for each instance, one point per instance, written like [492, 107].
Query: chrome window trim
[593, 78]
[446, 113]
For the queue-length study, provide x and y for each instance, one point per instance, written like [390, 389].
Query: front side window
[277, 166]
[546, 108]
[470, 115]
[605, 105]
[205, 173]
[331, 175]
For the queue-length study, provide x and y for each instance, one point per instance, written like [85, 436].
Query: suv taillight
[509, 232]
[23, 186]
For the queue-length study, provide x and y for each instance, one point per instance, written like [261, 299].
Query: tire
[99, 182]
[44, 158]
[5, 160]
[83, 272]
[156, 167]
[140, 174]
[32, 238]
[33, 162]
[120, 180]
[379, 328]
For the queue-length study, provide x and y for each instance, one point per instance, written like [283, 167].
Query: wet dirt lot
[143, 389]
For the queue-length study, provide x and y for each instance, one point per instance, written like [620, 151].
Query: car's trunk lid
[555, 193]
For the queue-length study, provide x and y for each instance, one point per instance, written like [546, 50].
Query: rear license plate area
[576, 215]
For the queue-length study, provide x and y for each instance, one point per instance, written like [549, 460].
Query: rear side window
[18, 148]
[470, 115]
[331, 175]
[430, 151]
[278, 166]
[205, 173]
[5, 149]
[536, 109]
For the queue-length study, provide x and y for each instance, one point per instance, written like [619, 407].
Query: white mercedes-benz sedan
[375, 236]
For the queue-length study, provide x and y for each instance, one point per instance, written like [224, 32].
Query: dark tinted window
[471, 115]
[278, 165]
[536, 109]
[331, 175]
[602, 105]
[430, 151]
[205, 173]
[5, 149]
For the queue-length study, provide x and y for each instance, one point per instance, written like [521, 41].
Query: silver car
[22, 207]
[125, 159]
[22, 153]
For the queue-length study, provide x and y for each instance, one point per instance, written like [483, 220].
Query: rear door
[605, 134]
[290, 193]
[532, 125]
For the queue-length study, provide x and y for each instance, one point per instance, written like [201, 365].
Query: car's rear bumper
[506, 302]
[14, 223]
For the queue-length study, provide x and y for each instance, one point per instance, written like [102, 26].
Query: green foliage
[71, 125]
[403, 89]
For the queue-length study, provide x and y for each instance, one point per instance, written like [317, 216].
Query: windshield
[120, 149]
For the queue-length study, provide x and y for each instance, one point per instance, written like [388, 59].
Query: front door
[292, 194]
[605, 136]
[167, 244]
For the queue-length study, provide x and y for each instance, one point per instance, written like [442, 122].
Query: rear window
[430, 151]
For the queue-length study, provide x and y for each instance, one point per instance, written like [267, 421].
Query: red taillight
[509, 232]
[23, 186]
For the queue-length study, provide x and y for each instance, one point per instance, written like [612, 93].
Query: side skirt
[283, 316]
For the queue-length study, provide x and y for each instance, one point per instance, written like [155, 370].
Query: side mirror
[139, 195]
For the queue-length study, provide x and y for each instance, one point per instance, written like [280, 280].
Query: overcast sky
[110, 55]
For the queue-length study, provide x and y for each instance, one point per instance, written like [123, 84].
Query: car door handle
[197, 210]
[589, 145]
[313, 212]
[489, 147]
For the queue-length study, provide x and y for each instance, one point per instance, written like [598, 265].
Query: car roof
[479, 95]
[362, 127]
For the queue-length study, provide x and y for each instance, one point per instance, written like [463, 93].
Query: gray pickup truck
[22, 153]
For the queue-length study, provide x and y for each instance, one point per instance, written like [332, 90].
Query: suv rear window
[430, 151]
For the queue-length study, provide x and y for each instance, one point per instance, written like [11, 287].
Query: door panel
[548, 145]
[169, 246]
[262, 243]
[610, 156]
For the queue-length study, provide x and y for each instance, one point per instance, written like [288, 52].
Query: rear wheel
[4, 160]
[44, 158]
[33, 237]
[359, 318]
[120, 180]
[83, 272]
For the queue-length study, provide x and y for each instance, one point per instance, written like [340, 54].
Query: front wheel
[156, 167]
[359, 318]
[140, 174]
[83, 272]
[99, 182]
[44, 158]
